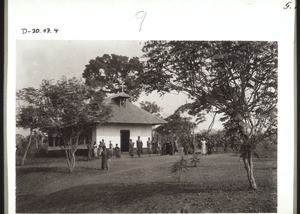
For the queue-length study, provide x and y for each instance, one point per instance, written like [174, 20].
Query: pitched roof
[130, 114]
[120, 94]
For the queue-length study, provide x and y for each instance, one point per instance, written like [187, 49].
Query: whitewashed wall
[111, 132]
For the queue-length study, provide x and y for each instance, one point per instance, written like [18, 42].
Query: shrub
[266, 150]
[195, 160]
[41, 152]
[179, 167]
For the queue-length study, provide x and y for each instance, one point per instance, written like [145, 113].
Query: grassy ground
[146, 184]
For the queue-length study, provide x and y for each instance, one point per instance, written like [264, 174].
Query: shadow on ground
[152, 197]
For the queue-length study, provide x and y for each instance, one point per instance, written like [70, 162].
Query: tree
[176, 125]
[20, 143]
[27, 117]
[68, 109]
[151, 107]
[236, 79]
[38, 138]
[178, 128]
[109, 72]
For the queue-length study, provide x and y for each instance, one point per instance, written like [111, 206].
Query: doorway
[125, 135]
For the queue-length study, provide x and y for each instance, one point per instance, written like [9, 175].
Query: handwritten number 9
[141, 15]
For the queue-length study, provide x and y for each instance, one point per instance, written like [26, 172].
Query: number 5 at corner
[288, 5]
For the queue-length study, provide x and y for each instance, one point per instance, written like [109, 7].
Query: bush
[179, 167]
[266, 150]
[195, 160]
[21, 148]
[41, 152]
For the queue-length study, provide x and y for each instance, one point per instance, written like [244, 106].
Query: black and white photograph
[146, 126]
[150, 107]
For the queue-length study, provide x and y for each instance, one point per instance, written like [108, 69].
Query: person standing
[163, 148]
[139, 145]
[204, 150]
[175, 146]
[149, 146]
[117, 151]
[159, 150]
[209, 147]
[154, 147]
[111, 149]
[171, 147]
[95, 148]
[100, 148]
[131, 148]
[167, 146]
[104, 158]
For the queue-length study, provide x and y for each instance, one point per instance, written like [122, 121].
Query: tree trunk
[70, 157]
[248, 164]
[70, 154]
[72, 160]
[90, 150]
[28, 145]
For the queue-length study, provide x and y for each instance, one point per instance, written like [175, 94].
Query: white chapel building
[128, 121]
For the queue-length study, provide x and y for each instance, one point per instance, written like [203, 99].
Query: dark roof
[130, 114]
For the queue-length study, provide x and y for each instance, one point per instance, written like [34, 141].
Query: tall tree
[236, 79]
[177, 125]
[68, 109]
[109, 72]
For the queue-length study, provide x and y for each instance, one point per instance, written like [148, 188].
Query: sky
[51, 59]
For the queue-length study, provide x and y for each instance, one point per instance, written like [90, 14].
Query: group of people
[162, 147]
[188, 145]
[170, 145]
[139, 147]
[105, 153]
[153, 147]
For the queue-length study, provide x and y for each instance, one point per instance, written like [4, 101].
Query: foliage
[67, 108]
[150, 107]
[182, 165]
[195, 160]
[179, 167]
[177, 125]
[19, 139]
[236, 79]
[23, 147]
[41, 152]
[27, 116]
[109, 72]
[216, 138]
[21, 143]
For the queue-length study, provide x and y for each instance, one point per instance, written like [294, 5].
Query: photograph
[156, 126]
[142, 106]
